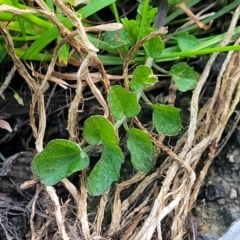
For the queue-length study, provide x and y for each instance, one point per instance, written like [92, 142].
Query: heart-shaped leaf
[106, 171]
[142, 77]
[154, 46]
[98, 128]
[166, 119]
[184, 77]
[58, 160]
[123, 103]
[141, 149]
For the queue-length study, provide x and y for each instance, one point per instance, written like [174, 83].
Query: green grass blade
[93, 7]
[40, 43]
[52, 33]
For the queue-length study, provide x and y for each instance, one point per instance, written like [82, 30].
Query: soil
[218, 204]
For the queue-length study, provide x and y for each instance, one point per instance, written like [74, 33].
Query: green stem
[146, 100]
[7, 17]
[23, 39]
[19, 19]
[119, 123]
[89, 148]
[115, 11]
[200, 52]
[37, 57]
[159, 69]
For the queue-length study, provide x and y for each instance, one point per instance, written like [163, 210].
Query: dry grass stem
[7, 80]
[184, 7]
[59, 218]
[100, 213]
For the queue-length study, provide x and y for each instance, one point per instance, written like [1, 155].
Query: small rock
[233, 232]
[207, 236]
[233, 156]
[215, 191]
[233, 193]
[221, 201]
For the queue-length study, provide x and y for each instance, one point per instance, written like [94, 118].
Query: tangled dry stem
[180, 187]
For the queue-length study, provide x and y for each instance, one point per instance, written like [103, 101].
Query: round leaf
[166, 119]
[123, 103]
[154, 46]
[142, 77]
[58, 160]
[141, 149]
[184, 77]
[106, 171]
[98, 128]
[186, 41]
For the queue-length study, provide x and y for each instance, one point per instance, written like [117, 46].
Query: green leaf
[186, 41]
[71, 2]
[40, 43]
[98, 128]
[93, 7]
[115, 38]
[132, 29]
[142, 77]
[50, 4]
[2, 56]
[52, 32]
[123, 103]
[106, 171]
[63, 54]
[150, 13]
[154, 46]
[141, 149]
[142, 17]
[58, 160]
[18, 98]
[166, 119]
[118, 40]
[184, 77]
[174, 2]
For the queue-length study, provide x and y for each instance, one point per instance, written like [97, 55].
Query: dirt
[218, 203]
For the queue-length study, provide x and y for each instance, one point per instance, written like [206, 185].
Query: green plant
[38, 32]
[136, 42]
[97, 130]
[124, 104]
